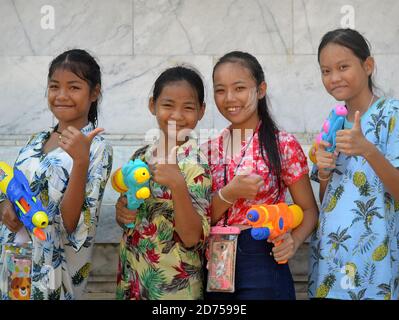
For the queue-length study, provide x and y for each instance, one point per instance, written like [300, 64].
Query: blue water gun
[133, 181]
[28, 208]
[331, 125]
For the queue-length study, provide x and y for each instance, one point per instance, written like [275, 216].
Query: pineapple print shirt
[153, 263]
[61, 264]
[355, 249]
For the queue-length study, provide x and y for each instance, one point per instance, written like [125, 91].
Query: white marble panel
[386, 77]
[108, 231]
[101, 26]
[127, 84]
[212, 27]
[296, 96]
[23, 105]
[9, 154]
[375, 19]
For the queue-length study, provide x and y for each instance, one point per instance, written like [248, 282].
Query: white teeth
[233, 109]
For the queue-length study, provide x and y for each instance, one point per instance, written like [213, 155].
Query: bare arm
[302, 195]
[187, 221]
[323, 186]
[77, 146]
[219, 206]
[241, 186]
[72, 202]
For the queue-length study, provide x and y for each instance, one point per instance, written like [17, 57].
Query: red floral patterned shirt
[294, 166]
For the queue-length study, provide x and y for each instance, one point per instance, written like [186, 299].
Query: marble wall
[134, 40]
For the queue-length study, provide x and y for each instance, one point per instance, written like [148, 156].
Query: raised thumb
[356, 123]
[93, 133]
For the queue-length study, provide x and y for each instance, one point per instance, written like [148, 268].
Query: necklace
[372, 98]
[370, 103]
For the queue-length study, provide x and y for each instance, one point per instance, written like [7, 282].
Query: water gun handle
[276, 245]
[331, 125]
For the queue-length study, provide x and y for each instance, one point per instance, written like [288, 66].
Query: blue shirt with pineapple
[355, 249]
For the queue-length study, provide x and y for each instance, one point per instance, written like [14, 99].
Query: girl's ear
[151, 106]
[369, 65]
[262, 88]
[95, 93]
[202, 111]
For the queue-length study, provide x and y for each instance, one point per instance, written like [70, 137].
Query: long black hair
[352, 40]
[83, 65]
[268, 131]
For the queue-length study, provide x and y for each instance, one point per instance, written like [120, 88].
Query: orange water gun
[271, 221]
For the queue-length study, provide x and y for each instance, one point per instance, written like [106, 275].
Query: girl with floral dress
[161, 257]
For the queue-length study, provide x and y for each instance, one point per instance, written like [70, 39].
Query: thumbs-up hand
[352, 142]
[165, 170]
[245, 186]
[76, 144]
[325, 160]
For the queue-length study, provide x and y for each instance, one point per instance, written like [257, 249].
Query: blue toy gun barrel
[28, 208]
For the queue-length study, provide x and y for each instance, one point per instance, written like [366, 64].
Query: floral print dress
[67, 256]
[355, 249]
[153, 263]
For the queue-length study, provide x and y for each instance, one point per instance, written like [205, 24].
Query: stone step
[101, 284]
[99, 296]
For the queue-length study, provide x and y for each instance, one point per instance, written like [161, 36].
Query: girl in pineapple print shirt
[67, 167]
[355, 250]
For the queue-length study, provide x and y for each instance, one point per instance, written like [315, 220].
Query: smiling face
[69, 98]
[344, 75]
[177, 109]
[236, 94]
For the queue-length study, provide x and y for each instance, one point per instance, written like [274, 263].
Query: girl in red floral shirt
[253, 162]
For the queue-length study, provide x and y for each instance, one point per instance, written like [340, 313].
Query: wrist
[81, 163]
[297, 240]
[223, 198]
[370, 150]
[178, 183]
[324, 175]
[228, 193]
